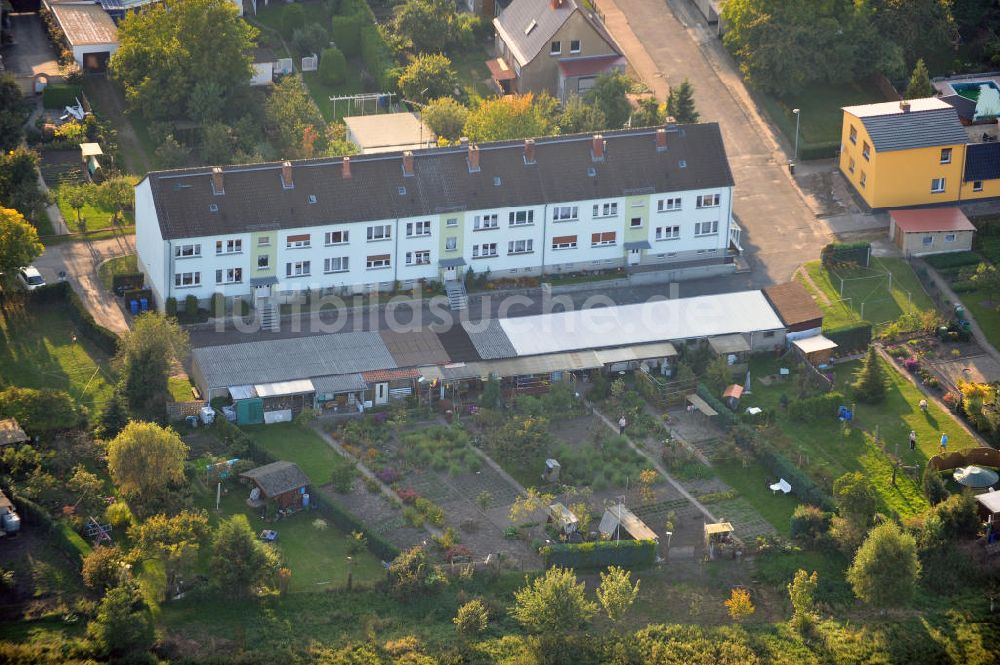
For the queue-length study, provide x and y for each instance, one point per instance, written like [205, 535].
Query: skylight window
[401, 190]
[531, 26]
[213, 207]
[683, 164]
[592, 172]
[496, 181]
[312, 198]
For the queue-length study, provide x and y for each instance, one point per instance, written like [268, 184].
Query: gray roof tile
[490, 341]
[917, 129]
[519, 15]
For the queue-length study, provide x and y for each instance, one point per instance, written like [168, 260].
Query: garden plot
[61, 167]
[381, 517]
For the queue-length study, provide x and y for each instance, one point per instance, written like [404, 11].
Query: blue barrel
[144, 304]
[133, 306]
[305, 501]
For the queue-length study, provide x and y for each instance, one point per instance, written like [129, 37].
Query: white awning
[637, 352]
[814, 344]
[242, 392]
[285, 388]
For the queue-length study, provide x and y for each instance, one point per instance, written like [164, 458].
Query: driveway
[79, 261]
[31, 53]
[666, 43]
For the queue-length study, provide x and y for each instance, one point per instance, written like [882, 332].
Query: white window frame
[187, 280]
[668, 205]
[190, 251]
[452, 222]
[345, 237]
[950, 237]
[668, 232]
[564, 245]
[977, 185]
[485, 250]
[385, 229]
[373, 263]
[486, 222]
[523, 246]
[264, 241]
[565, 213]
[708, 200]
[606, 209]
[632, 223]
[945, 156]
[521, 218]
[420, 229]
[266, 258]
[419, 257]
[298, 244]
[555, 47]
[451, 244]
[602, 242]
[342, 263]
[229, 276]
[298, 269]
[578, 45]
[228, 246]
[938, 185]
[713, 226]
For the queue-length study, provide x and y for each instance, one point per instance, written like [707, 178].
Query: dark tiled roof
[917, 129]
[965, 107]
[460, 348]
[414, 348]
[255, 199]
[515, 20]
[277, 478]
[982, 161]
[793, 303]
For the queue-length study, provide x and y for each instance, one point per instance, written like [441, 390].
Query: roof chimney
[904, 106]
[473, 158]
[661, 139]
[408, 163]
[345, 168]
[529, 151]
[286, 175]
[556, 4]
[217, 183]
[597, 146]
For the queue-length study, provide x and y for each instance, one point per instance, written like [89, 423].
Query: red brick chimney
[473, 158]
[218, 187]
[661, 139]
[286, 175]
[556, 4]
[345, 168]
[408, 163]
[529, 151]
[597, 146]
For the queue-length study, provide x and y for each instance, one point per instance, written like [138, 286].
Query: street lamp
[795, 152]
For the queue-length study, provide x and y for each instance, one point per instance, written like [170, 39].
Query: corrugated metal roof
[982, 161]
[924, 129]
[735, 343]
[544, 364]
[637, 352]
[342, 383]
[619, 515]
[815, 343]
[280, 388]
[415, 347]
[269, 361]
[242, 392]
[490, 340]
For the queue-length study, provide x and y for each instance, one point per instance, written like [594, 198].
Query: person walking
[913, 440]
[923, 405]
[621, 425]
[944, 443]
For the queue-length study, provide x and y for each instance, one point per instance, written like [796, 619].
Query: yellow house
[906, 153]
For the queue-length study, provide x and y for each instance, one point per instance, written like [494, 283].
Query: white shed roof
[284, 388]
[990, 500]
[815, 343]
[686, 318]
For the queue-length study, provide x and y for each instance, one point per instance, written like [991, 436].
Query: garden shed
[282, 483]
[91, 34]
[734, 348]
[284, 400]
[989, 506]
[11, 433]
[817, 349]
[796, 309]
[923, 231]
[620, 522]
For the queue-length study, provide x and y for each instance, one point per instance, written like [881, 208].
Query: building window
[452, 222]
[977, 185]
[565, 213]
[949, 237]
[297, 241]
[863, 179]
[574, 46]
[380, 232]
[866, 151]
[187, 279]
[228, 246]
[419, 258]
[336, 237]
[378, 261]
[297, 269]
[706, 228]
[417, 229]
[520, 246]
[564, 242]
[263, 262]
[768, 333]
[850, 165]
[606, 239]
[853, 135]
[229, 276]
[521, 217]
[946, 155]
[928, 240]
[336, 264]
[264, 241]
[485, 222]
[668, 205]
[187, 251]
[484, 250]
[668, 232]
[937, 185]
[605, 210]
[555, 48]
[707, 201]
[635, 223]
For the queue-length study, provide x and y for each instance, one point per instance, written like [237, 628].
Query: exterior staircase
[458, 299]
[268, 314]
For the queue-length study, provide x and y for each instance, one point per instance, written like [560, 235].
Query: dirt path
[825, 299]
[109, 105]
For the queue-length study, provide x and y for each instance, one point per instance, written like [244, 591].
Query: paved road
[80, 261]
[666, 43]
[32, 53]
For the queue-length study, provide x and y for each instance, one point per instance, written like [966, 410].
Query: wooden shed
[796, 309]
[620, 522]
[817, 349]
[284, 483]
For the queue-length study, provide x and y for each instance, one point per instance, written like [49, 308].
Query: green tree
[19, 244]
[579, 117]
[933, 486]
[145, 460]
[718, 375]
[510, 117]
[19, 182]
[680, 103]
[77, 196]
[411, 573]
[170, 49]
[649, 113]
[855, 498]
[240, 562]
[174, 540]
[427, 24]
[12, 113]
[870, 381]
[472, 618]
[217, 143]
[554, 603]
[113, 418]
[445, 117]
[491, 397]
[40, 411]
[333, 66]
[116, 194]
[958, 515]
[428, 76]
[310, 39]
[293, 17]
[802, 592]
[987, 278]
[171, 153]
[123, 627]
[885, 569]
[739, 605]
[920, 82]
[921, 28]
[617, 593]
[609, 95]
[103, 568]
[289, 111]
[147, 352]
[208, 101]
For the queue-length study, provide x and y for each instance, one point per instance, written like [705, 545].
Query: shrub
[310, 39]
[342, 478]
[56, 96]
[601, 554]
[346, 33]
[293, 18]
[810, 526]
[408, 496]
[472, 618]
[388, 475]
[953, 260]
[958, 516]
[812, 409]
[377, 57]
[911, 364]
[839, 253]
[191, 306]
[102, 568]
[218, 304]
[171, 306]
[332, 66]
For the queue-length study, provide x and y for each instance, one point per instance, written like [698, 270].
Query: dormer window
[531, 26]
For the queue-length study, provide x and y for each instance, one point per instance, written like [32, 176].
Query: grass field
[94, 216]
[866, 292]
[825, 451]
[40, 347]
[751, 482]
[180, 388]
[288, 441]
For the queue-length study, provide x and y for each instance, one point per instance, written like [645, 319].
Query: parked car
[29, 278]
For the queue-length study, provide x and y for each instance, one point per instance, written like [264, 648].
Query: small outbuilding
[563, 518]
[263, 66]
[989, 506]
[796, 309]
[282, 483]
[11, 433]
[387, 132]
[90, 32]
[620, 522]
[924, 231]
[817, 350]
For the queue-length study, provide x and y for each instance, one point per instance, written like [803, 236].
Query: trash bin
[133, 306]
[144, 304]
[791, 167]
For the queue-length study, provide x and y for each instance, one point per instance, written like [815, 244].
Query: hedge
[728, 417]
[332, 66]
[811, 409]
[601, 554]
[851, 338]
[802, 485]
[377, 57]
[346, 33]
[953, 260]
[846, 252]
[37, 518]
[58, 96]
[104, 339]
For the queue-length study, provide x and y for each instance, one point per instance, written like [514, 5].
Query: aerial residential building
[557, 47]
[558, 204]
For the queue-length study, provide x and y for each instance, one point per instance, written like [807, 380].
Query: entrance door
[262, 291]
[633, 256]
[450, 273]
[381, 393]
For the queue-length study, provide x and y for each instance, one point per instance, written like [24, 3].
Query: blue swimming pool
[970, 90]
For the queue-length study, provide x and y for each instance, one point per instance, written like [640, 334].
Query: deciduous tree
[19, 183]
[855, 498]
[40, 411]
[427, 24]
[445, 117]
[240, 562]
[472, 618]
[428, 76]
[145, 460]
[739, 605]
[579, 117]
[511, 117]
[802, 591]
[12, 113]
[609, 95]
[77, 196]
[649, 113]
[885, 569]
[175, 540]
[116, 194]
[147, 352]
[102, 568]
[617, 593]
[123, 627]
[289, 110]
[19, 244]
[554, 603]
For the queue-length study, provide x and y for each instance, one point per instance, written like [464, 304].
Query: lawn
[180, 388]
[269, 16]
[134, 142]
[40, 347]
[820, 115]
[825, 451]
[288, 441]
[322, 91]
[751, 482]
[119, 265]
[866, 292]
[471, 68]
[94, 216]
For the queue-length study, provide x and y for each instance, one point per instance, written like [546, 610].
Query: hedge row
[802, 485]
[811, 409]
[851, 338]
[728, 417]
[377, 56]
[104, 339]
[37, 518]
[846, 252]
[59, 96]
[601, 554]
[953, 260]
